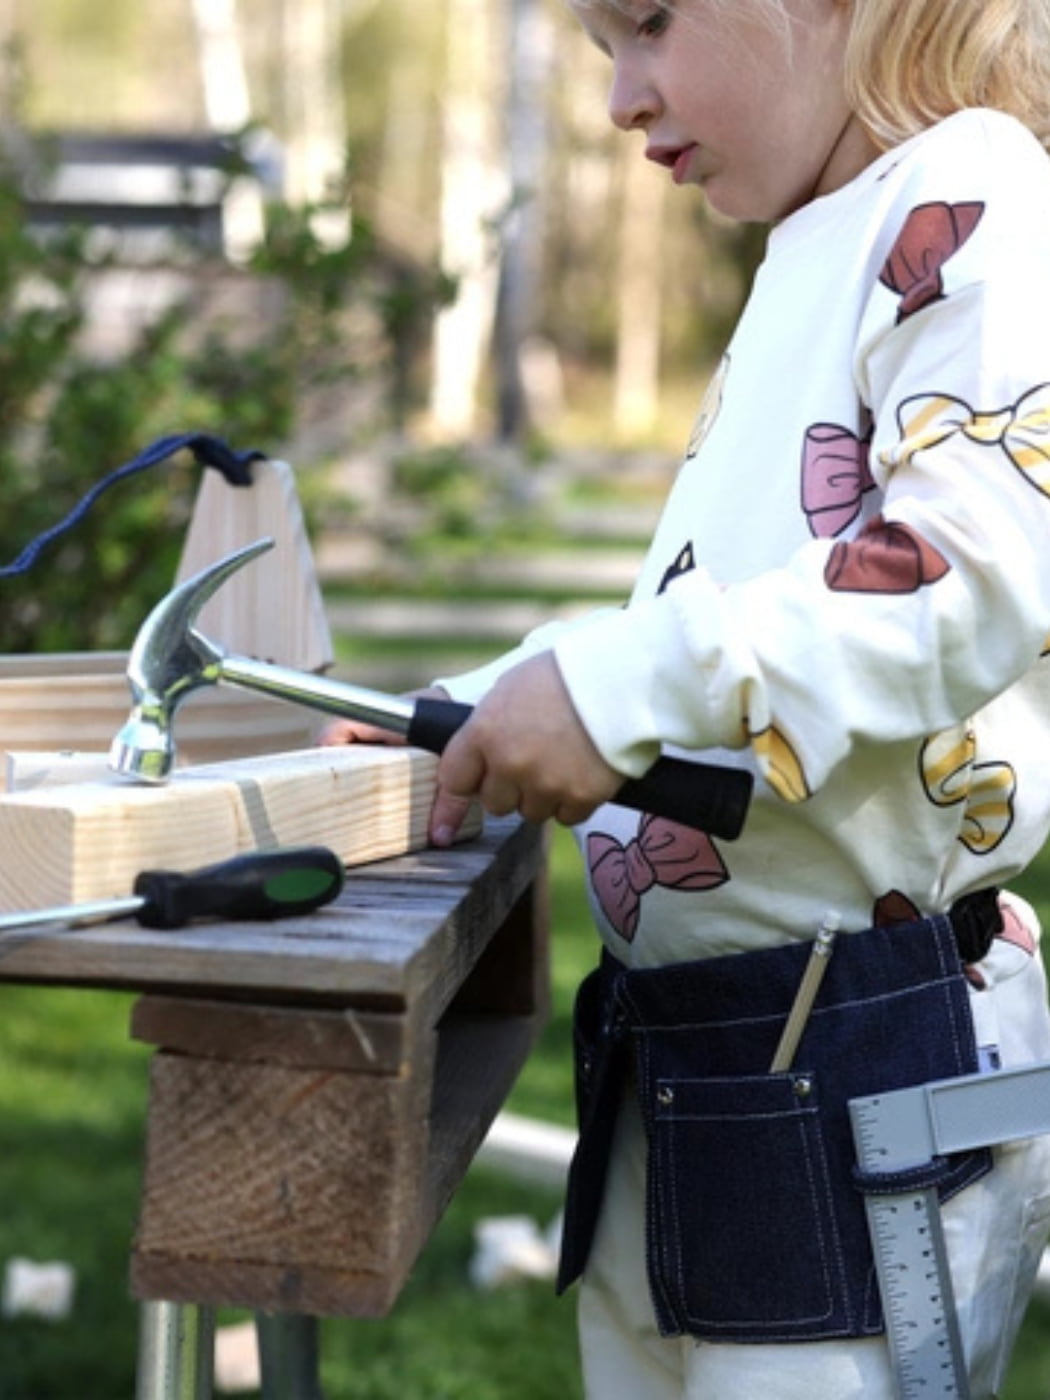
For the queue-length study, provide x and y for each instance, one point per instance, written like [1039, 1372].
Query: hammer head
[167, 661]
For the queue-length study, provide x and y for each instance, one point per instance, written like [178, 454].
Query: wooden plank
[25, 770]
[445, 960]
[479, 1059]
[280, 1168]
[271, 1288]
[272, 608]
[327, 960]
[370, 1042]
[88, 840]
[350, 952]
[312, 1191]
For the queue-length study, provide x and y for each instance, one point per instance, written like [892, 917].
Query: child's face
[750, 109]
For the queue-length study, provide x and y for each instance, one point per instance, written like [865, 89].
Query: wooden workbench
[321, 1083]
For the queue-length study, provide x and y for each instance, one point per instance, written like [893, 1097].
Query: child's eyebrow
[595, 31]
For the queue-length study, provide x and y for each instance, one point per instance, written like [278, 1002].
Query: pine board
[87, 841]
[369, 949]
[272, 608]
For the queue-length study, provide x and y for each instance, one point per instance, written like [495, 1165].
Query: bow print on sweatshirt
[1021, 431]
[984, 792]
[835, 476]
[886, 557]
[932, 234]
[662, 854]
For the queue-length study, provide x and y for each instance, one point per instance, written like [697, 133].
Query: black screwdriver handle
[258, 885]
[705, 796]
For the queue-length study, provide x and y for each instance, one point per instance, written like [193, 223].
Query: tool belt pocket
[732, 1253]
[755, 1226]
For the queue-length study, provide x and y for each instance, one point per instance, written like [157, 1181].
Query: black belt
[976, 919]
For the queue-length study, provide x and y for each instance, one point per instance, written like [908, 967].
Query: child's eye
[654, 23]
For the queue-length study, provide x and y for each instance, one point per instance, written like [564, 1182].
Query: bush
[67, 419]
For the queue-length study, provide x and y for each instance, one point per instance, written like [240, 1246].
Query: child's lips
[677, 159]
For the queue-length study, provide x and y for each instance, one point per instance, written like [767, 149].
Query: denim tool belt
[755, 1224]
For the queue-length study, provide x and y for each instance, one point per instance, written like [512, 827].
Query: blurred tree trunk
[404, 176]
[314, 114]
[224, 77]
[228, 107]
[473, 189]
[529, 53]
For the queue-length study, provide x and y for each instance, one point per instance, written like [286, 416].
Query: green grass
[72, 1108]
[72, 1102]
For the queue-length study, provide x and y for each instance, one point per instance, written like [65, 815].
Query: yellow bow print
[986, 790]
[1023, 431]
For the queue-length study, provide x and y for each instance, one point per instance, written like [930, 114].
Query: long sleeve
[938, 597]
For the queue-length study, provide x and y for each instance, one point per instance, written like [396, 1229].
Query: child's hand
[353, 731]
[523, 750]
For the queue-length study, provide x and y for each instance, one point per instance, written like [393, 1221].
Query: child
[849, 593]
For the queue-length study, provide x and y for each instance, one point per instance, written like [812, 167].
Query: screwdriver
[258, 885]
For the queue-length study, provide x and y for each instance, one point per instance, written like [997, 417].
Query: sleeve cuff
[648, 676]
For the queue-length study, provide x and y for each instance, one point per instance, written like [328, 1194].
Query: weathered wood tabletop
[322, 1082]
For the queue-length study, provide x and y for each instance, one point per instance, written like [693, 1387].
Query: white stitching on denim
[664, 1192]
[828, 1240]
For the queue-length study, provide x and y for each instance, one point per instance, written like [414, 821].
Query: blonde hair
[911, 62]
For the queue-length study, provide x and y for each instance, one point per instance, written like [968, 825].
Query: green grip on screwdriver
[258, 885]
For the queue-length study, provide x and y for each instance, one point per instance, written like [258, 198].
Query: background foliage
[338, 315]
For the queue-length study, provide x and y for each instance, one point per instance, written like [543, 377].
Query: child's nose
[632, 102]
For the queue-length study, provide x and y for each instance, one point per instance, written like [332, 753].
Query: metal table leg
[289, 1356]
[176, 1359]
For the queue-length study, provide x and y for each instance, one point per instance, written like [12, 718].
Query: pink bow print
[835, 475]
[663, 853]
[931, 236]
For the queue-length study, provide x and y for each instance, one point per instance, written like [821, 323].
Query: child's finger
[446, 817]
[350, 731]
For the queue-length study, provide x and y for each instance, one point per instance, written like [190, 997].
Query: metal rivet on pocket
[665, 1096]
[803, 1086]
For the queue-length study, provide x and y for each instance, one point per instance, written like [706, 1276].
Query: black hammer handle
[704, 796]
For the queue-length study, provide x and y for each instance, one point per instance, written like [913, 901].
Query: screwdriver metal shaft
[89, 912]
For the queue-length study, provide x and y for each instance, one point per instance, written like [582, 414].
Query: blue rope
[209, 452]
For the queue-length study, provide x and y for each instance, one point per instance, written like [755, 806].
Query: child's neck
[853, 152]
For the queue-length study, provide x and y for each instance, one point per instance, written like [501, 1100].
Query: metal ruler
[908, 1128]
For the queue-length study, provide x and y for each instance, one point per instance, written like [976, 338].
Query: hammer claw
[167, 660]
